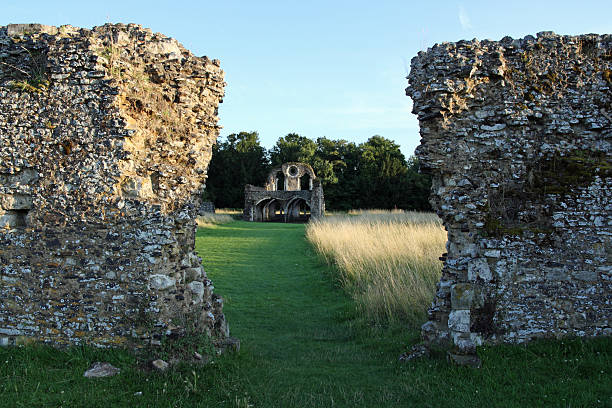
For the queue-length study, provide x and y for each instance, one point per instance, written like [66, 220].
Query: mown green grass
[303, 345]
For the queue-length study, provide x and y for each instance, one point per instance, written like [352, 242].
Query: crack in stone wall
[517, 135]
[106, 135]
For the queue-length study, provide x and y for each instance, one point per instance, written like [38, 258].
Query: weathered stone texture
[292, 193]
[105, 139]
[518, 137]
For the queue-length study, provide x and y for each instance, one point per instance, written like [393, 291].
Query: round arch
[297, 210]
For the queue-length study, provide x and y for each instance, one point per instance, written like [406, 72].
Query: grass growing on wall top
[386, 260]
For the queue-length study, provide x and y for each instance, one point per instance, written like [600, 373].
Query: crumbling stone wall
[105, 139]
[517, 136]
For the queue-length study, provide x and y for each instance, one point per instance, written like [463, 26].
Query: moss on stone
[560, 175]
[564, 174]
[494, 227]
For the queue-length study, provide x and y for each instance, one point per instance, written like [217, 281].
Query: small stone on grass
[160, 365]
[99, 370]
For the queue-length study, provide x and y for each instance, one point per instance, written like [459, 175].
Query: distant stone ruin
[292, 194]
[517, 135]
[106, 135]
[207, 207]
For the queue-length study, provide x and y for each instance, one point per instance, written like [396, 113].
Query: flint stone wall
[517, 136]
[105, 139]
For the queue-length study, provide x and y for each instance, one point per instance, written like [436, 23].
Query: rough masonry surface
[517, 135]
[105, 139]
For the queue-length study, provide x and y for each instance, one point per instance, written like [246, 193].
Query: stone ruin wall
[105, 139]
[517, 135]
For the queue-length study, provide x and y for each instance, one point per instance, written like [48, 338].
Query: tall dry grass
[210, 219]
[236, 212]
[388, 261]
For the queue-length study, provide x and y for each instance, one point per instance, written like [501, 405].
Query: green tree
[292, 148]
[335, 162]
[382, 174]
[238, 161]
[418, 187]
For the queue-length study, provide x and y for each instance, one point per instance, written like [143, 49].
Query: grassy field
[386, 260]
[303, 345]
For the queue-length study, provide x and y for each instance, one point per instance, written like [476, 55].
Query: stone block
[479, 268]
[459, 320]
[15, 202]
[161, 282]
[557, 273]
[19, 29]
[586, 275]
[197, 289]
[462, 296]
[11, 219]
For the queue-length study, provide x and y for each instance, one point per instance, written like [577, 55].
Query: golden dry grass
[209, 219]
[388, 261]
[230, 211]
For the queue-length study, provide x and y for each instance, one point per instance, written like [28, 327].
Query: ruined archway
[297, 210]
[301, 198]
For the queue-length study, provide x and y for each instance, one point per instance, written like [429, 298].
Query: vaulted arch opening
[297, 210]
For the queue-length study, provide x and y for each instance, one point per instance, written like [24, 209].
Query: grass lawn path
[292, 321]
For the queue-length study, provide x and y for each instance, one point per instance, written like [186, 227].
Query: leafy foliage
[292, 148]
[238, 161]
[374, 174]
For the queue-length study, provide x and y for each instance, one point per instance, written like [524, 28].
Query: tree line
[373, 174]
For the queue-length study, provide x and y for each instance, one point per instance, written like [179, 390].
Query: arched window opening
[293, 171]
[280, 181]
[275, 212]
[305, 182]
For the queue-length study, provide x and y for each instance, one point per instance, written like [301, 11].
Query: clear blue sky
[321, 68]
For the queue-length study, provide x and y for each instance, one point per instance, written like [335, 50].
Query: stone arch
[291, 194]
[267, 208]
[258, 209]
[297, 210]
